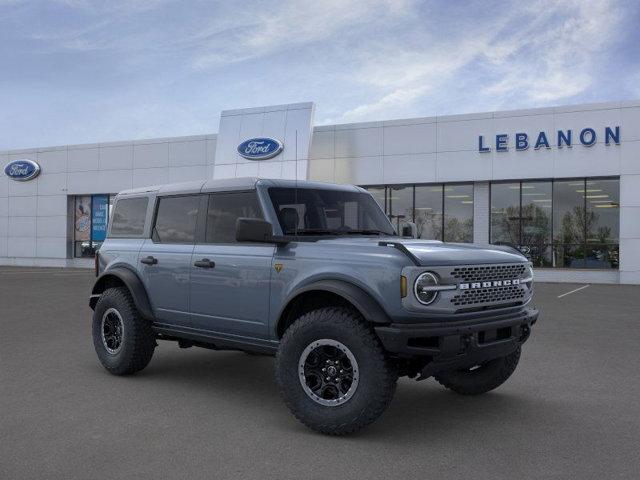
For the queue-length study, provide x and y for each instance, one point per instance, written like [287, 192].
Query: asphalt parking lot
[571, 410]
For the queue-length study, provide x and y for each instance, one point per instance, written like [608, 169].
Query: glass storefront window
[428, 211]
[400, 203]
[458, 213]
[440, 212]
[91, 216]
[379, 196]
[564, 223]
[603, 223]
[505, 214]
[536, 201]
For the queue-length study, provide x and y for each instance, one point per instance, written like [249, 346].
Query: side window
[176, 219]
[128, 216]
[224, 209]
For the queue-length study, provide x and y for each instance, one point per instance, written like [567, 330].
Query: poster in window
[82, 229]
[99, 217]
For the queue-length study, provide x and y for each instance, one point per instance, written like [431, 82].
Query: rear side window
[128, 216]
[176, 219]
[224, 209]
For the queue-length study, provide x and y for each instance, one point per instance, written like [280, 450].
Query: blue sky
[77, 71]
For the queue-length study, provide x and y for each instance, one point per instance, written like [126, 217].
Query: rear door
[230, 281]
[165, 258]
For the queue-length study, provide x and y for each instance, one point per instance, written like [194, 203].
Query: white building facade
[561, 184]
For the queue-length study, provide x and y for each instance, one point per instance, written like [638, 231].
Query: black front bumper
[450, 345]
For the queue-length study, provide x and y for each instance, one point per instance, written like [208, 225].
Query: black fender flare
[133, 283]
[368, 307]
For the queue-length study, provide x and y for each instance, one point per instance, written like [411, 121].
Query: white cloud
[286, 25]
[543, 52]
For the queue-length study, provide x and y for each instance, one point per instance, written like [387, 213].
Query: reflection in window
[223, 211]
[458, 213]
[176, 219]
[400, 201]
[566, 223]
[536, 222]
[505, 214]
[440, 212]
[569, 223]
[428, 212]
[603, 223]
[378, 195]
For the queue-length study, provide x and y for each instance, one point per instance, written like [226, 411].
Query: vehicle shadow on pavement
[232, 379]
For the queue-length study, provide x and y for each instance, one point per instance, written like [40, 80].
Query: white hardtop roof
[227, 184]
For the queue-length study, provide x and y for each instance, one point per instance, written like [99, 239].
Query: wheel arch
[123, 277]
[329, 293]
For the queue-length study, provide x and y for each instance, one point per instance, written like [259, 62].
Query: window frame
[203, 216]
[154, 218]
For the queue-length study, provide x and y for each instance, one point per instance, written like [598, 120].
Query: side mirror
[253, 230]
[409, 229]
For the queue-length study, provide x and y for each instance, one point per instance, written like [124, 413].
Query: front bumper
[451, 345]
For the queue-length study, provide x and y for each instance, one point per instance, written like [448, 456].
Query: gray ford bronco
[314, 274]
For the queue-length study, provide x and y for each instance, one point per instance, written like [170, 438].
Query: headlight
[528, 276]
[425, 288]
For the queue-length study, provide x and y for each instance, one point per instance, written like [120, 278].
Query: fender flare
[133, 283]
[368, 307]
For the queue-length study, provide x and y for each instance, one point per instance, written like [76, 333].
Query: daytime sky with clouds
[80, 71]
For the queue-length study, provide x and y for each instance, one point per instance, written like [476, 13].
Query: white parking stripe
[573, 291]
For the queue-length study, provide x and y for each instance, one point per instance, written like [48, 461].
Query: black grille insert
[488, 272]
[489, 295]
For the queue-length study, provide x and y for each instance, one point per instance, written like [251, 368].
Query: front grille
[513, 293]
[488, 272]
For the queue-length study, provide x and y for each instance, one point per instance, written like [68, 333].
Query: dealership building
[562, 184]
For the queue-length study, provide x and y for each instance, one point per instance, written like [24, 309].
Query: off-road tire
[138, 341]
[377, 374]
[482, 379]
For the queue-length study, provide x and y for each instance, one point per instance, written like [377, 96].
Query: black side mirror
[253, 230]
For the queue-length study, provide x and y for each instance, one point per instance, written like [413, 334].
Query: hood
[432, 253]
[437, 253]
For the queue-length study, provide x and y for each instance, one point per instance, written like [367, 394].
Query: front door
[165, 259]
[230, 281]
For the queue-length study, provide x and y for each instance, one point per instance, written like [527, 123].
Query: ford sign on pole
[22, 170]
[260, 148]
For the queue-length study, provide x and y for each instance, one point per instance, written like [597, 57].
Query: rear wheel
[122, 339]
[480, 378]
[333, 373]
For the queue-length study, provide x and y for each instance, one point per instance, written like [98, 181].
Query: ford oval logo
[22, 170]
[260, 148]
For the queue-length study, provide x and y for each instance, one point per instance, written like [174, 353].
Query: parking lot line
[573, 291]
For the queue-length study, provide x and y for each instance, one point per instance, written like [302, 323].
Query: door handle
[149, 260]
[204, 263]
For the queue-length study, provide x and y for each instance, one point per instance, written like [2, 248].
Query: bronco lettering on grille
[489, 284]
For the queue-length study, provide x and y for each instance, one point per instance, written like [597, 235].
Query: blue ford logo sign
[260, 148]
[22, 170]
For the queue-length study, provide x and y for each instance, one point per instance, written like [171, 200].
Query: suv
[314, 274]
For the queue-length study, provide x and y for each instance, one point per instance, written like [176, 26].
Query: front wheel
[333, 372]
[480, 378]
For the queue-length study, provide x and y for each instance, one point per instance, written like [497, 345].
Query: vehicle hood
[432, 253]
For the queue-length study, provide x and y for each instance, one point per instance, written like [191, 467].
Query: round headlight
[422, 290]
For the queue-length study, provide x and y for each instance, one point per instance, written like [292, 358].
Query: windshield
[307, 211]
